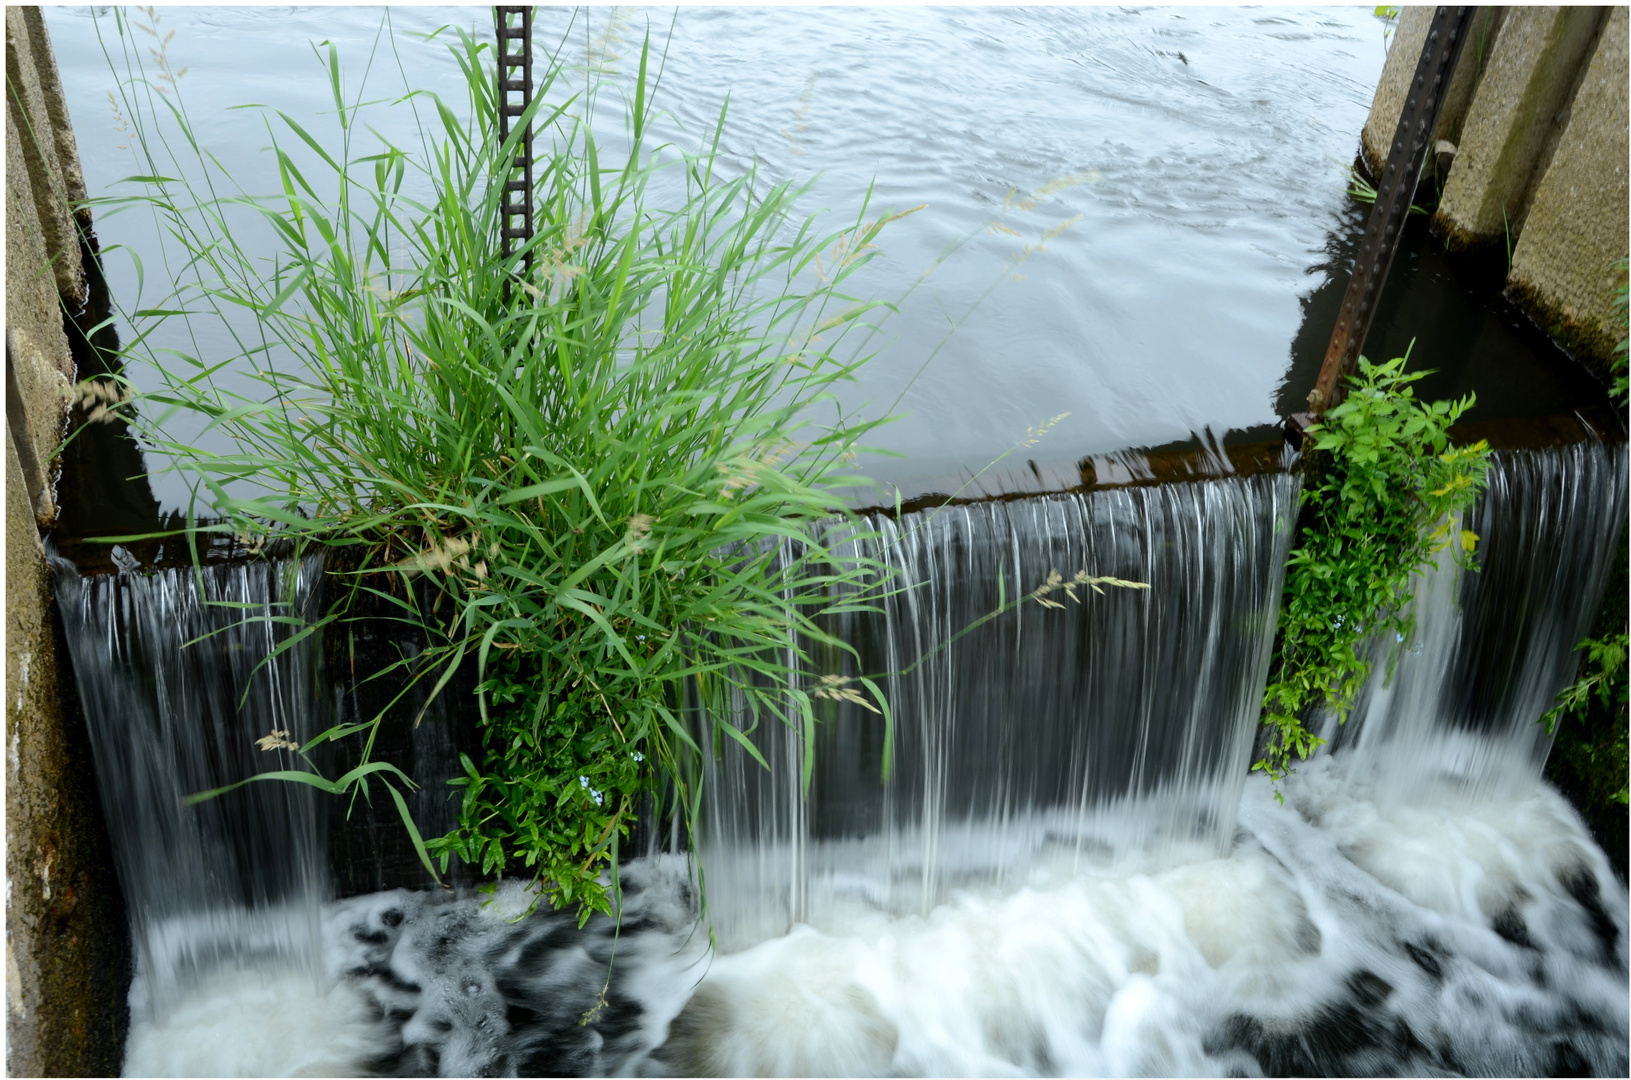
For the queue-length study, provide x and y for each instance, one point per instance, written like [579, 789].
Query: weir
[1457, 706]
[1117, 722]
[1069, 811]
[180, 672]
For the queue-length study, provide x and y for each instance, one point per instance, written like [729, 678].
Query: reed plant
[615, 470]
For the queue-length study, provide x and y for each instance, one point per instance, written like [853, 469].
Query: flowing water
[1190, 164]
[1068, 873]
[1069, 870]
[1049, 738]
[179, 674]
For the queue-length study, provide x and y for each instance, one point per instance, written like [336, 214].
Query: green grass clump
[611, 478]
[1381, 497]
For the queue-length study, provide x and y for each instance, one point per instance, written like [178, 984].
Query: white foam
[1361, 934]
[262, 1023]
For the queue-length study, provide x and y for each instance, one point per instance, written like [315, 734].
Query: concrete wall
[66, 942]
[1537, 105]
[1408, 35]
[1563, 269]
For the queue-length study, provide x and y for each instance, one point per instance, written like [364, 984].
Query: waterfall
[1117, 724]
[1068, 870]
[1456, 707]
[179, 673]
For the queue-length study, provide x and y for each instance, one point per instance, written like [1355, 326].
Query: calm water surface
[1191, 164]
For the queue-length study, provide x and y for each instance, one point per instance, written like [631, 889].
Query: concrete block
[1405, 51]
[1564, 269]
[67, 944]
[39, 365]
[56, 109]
[30, 111]
[1512, 122]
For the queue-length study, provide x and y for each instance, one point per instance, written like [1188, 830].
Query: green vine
[1382, 494]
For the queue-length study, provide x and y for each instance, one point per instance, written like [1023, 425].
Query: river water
[1123, 899]
[1195, 160]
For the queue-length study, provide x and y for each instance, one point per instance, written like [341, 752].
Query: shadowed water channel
[1068, 870]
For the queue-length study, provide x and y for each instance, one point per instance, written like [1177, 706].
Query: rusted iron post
[1394, 190]
[515, 26]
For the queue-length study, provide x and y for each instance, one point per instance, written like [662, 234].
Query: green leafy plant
[1597, 701]
[1381, 497]
[615, 473]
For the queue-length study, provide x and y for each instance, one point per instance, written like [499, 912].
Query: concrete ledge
[1564, 269]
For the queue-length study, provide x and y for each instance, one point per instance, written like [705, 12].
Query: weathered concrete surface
[56, 110]
[39, 366]
[66, 939]
[1564, 266]
[1405, 51]
[67, 947]
[56, 183]
[1537, 113]
[1518, 107]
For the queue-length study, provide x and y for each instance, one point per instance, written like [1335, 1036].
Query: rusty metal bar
[1394, 190]
[516, 198]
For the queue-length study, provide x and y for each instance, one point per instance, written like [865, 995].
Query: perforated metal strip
[1394, 190]
[514, 94]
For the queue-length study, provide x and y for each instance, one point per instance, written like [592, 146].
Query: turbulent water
[1342, 936]
[1068, 873]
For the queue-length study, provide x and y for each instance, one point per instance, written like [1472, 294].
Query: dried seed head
[837, 688]
[277, 740]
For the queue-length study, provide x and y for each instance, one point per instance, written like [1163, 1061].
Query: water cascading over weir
[1491, 649]
[180, 672]
[1074, 754]
[1120, 721]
